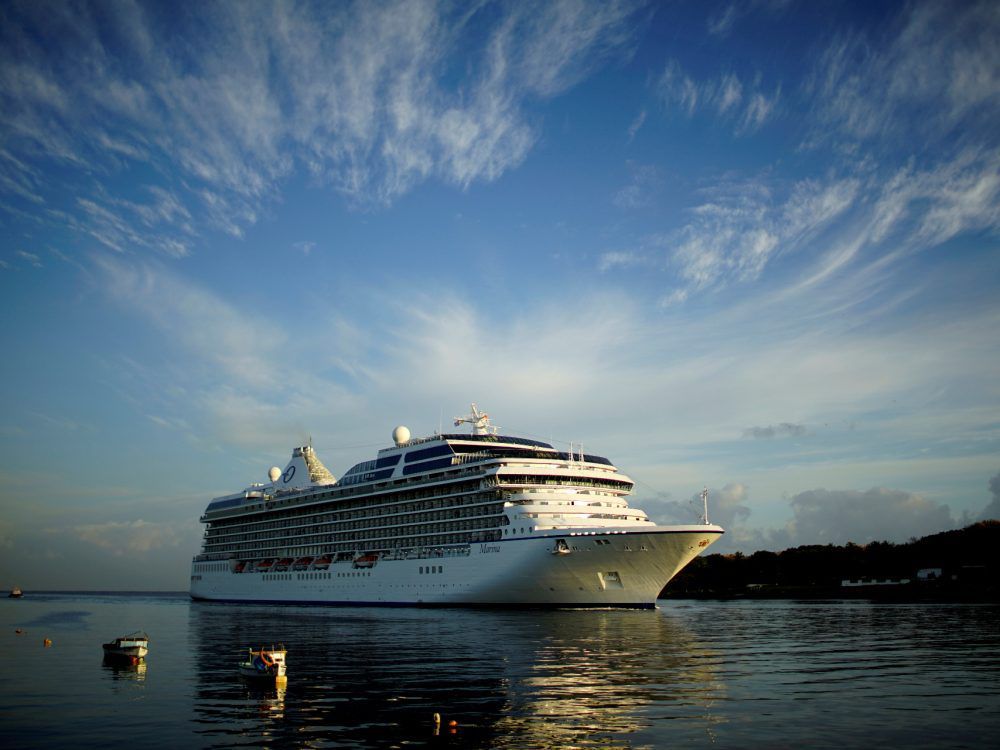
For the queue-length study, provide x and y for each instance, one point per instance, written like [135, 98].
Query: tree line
[968, 560]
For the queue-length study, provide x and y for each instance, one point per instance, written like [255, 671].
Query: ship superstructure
[450, 519]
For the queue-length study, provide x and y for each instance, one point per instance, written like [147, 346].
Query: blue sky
[749, 246]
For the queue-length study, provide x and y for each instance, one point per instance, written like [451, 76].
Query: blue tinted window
[437, 450]
[427, 466]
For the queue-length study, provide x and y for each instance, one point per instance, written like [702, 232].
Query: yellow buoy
[47, 642]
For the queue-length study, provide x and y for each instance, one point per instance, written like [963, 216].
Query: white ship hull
[610, 567]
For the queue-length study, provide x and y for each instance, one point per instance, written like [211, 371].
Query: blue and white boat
[265, 664]
[450, 519]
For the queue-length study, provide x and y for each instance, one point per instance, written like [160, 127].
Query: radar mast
[479, 420]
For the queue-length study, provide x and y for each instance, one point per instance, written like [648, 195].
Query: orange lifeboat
[365, 561]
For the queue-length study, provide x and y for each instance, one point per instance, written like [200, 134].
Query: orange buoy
[47, 642]
[452, 723]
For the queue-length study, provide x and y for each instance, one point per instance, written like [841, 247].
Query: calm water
[728, 674]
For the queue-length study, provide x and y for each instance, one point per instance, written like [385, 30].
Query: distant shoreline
[915, 593]
[103, 592]
[896, 594]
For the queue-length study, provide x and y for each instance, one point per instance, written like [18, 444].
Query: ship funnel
[304, 470]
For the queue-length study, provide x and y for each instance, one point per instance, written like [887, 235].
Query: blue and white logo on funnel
[289, 473]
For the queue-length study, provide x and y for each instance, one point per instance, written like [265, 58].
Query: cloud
[820, 516]
[785, 429]
[731, 99]
[939, 75]
[857, 224]
[232, 341]
[305, 247]
[371, 99]
[726, 507]
[725, 20]
[241, 369]
[30, 258]
[958, 195]
[619, 259]
[840, 516]
[992, 510]
[636, 125]
[720, 24]
[736, 232]
[129, 537]
[639, 193]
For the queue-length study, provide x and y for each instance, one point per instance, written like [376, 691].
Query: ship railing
[469, 458]
[210, 556]
[291, 497]
[425, 553]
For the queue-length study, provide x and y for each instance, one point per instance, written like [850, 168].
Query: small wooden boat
[264, 664]
[128, 648]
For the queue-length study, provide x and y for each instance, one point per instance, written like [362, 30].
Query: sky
[745, 246]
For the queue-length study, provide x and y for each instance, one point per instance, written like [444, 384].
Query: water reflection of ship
[600, 678]
[510, 678]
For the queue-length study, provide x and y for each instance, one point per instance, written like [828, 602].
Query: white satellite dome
[273, 473]
[401, 435]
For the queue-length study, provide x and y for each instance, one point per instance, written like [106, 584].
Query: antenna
[704, 500]
[479, 420]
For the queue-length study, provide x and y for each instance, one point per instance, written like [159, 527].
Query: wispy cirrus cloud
[238, 372]
[30, 258]
[643, 184]
[865, 214]
[743, 104]
[901, 177]
[742, 226]
[370, 99]
[725, 19]
[939, 71]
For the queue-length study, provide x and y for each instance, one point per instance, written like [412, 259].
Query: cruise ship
[457, 519]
